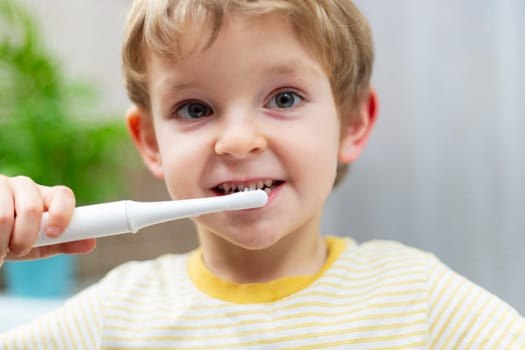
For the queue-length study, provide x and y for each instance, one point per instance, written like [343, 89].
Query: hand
[22, 203]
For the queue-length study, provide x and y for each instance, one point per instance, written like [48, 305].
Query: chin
[254, 241]
[248, 232]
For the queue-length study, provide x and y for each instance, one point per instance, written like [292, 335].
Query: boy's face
[254, 109]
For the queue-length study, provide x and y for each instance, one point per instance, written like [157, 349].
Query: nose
[240, 136]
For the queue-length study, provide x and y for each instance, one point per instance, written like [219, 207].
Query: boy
[231, 95]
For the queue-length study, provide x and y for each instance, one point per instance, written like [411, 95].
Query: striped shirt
[378, 295]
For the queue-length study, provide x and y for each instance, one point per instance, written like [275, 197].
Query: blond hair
[333, 30]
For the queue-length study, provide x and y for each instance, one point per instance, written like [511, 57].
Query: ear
[141, 129]
[356, 132]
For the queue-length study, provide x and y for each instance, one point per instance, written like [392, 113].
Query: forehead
[267, 43]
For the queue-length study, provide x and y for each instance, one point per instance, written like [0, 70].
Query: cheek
[324, 149]
[181, 163]
[323, 137]
[323, 161]
[316, 147]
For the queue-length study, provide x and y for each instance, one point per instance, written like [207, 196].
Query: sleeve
[76, 325]
[463, 315]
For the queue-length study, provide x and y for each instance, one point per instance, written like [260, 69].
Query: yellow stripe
[519, 332]
[515, 339]
[32, 339]
[268, 312]
[25, 343]
[61, 334]
[506, 331]
[407, 283]
[431, 271]
[361, 340]
[6, 345]
[393, 252]
[438, 299]
[440, 314]
[347, 295]
[486, 336]
[457, 305]
[76, 321]
[408, 261]
[271, 331]
[474, 299]
[132, 282]
[259, 331]
[96, 304]
[367, 293]
[86, 323]
[36, 337]
[144, 327]
[438, 281]
[415, 345]
[44, 337]
[351, 277]
[381, 317]
[265, 311]
[147, 293]
[297, 337]
[68, 330]
[481, 327]
[325, 283]
[51, 334]
[146, 280]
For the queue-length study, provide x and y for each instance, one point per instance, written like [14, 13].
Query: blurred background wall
[444, 170]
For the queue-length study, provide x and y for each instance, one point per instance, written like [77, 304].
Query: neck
[297, 254]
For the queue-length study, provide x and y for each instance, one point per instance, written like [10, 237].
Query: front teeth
[265, 185]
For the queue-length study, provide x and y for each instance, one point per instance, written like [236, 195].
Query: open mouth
[231, 187]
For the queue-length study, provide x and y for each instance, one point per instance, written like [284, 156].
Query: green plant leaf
[41, 134]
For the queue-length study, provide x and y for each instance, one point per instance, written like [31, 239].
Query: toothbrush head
[247, 200]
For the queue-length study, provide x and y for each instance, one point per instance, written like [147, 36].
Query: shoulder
[384, 250]
[144, 275]
[383, 266]
[386, 247]
[387, 264]
[146, 266]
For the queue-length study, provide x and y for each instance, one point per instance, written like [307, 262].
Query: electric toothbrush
[113, 218]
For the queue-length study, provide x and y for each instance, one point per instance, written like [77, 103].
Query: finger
[7, 215]
[60, 204]
[78, 247]
[28, 211]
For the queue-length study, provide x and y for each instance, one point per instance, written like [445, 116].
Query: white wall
[444, 170]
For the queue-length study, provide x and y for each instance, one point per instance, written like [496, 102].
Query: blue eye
[193, 110]
[285, 100]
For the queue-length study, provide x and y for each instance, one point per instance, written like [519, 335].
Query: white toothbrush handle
[90, 221]
[108, 219]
